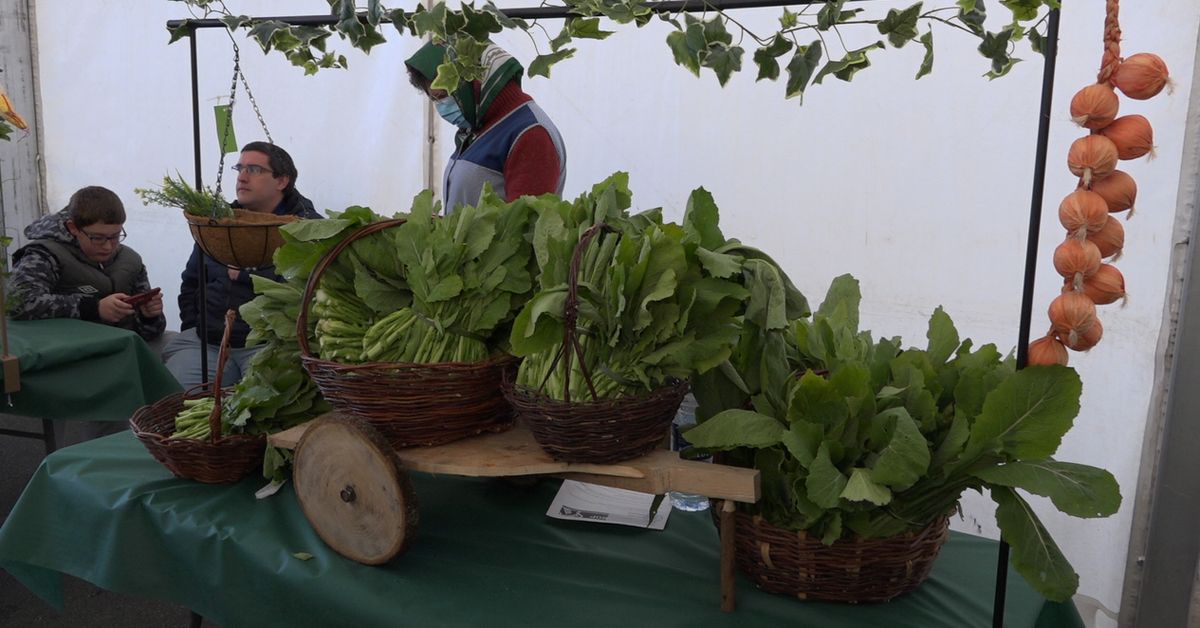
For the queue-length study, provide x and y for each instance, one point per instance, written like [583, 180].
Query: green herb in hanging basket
[175, 192]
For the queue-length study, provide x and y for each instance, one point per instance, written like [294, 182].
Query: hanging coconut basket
[247, 240]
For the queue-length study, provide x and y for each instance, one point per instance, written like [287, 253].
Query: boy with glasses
[74, 266]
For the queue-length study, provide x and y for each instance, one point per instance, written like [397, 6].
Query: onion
[1082, 212]
[1105, 286]
[1118, 190]
[1076, 259]
[1094, 106]
[1110, 239]
[1141, 76]
[1046, 351]
[1071, 314]
[1085, 339]
[1132, 135]
[1092, 157]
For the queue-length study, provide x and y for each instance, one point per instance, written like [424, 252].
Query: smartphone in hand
[138, 299]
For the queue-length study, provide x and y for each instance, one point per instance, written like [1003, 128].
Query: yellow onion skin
[1086, 339]
[1110, 239]
[1071, 314]
[1141, 76]
[1095, 106]
[1083, 212]
[1092, 157]
[1118, 190]
[1132, 135]
[1047, 351]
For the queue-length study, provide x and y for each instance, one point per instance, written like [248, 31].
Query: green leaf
[1077, 490]
[587, 28]
[973, 16]
[841, 303]
[447, 77]
[685, 54]
[905, 458]
[1037, 41]
[849, 65]
[900, 26]
[789, 19]
[1034, 553]
[312, 230]
[537, 327]
[861, 488]
[1027, 415]
[1023, 10]
[927, 62]
[736, 428]
[802, 440]
[943, 337]
[701, 220]
[824, 482]
[765, 57]
[179, 32]
[800, 69]
[829, 14]
[724, 61]
[817, 400]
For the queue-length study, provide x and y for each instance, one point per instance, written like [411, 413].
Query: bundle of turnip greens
[656, 300]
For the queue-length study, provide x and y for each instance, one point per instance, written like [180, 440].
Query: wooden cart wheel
[353, 491]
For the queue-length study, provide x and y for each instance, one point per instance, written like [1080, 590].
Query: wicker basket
[410, 404]
[248, 240]
[602, 430]
[849, 570]
[216, 460]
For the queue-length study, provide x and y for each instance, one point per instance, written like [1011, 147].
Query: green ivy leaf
[1023, 10]
[179, 32]
[973, 17]
[1034, 553]
[234, 22]
[430, 21]
[264, 33]
[927, 62]
[504, 20]
[724, 61]
[563, 38]
[5, 130]
[829, 14]
[966, 5]
[480, 25]
[789, 19]
[1076, 489]
[1037, 42]
[900, 26]
[715, 32]
[447, 77]
[374, 12]
[764, 57]
[849, 65]
[800, 69]
[540, 66]
[588, 28]
[683, 52]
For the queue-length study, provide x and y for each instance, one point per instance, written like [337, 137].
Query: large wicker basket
[600, 430]
[849, 570]
[410, 404]
[215, 460]
[248, 240]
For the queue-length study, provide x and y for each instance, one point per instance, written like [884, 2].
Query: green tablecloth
[72, 369]
[485, 555]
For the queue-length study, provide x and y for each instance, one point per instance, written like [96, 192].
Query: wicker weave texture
[248, 240]
[418, 404]
[605, 431]
[221, 460]
[849, 570]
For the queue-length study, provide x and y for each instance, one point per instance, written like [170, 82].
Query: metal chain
[237, 71]
[254, 104]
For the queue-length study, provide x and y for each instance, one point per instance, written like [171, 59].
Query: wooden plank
[516, 453]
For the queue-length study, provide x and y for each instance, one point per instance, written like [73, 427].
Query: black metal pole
[531, 13]
[1031, 249]
[202, 289]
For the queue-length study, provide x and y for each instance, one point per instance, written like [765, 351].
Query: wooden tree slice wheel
[353, 491]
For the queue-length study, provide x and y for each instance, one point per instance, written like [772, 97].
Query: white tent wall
[920, 189]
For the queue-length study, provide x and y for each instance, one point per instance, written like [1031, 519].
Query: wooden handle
[214, 417]
[728, 530]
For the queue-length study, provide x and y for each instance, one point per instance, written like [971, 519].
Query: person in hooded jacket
[266, 182]
[504, 138]
[75, 266]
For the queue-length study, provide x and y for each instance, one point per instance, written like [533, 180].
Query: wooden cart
[353, 488]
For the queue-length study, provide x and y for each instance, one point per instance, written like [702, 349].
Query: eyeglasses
[100, 239]
[252, 169]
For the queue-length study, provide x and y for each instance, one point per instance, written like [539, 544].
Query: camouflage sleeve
[148, 328]
[31, 290]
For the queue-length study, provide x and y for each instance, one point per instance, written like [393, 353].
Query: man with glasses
[74, 266]
[266, 182]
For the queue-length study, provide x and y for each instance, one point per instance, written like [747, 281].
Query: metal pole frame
[1050, 54]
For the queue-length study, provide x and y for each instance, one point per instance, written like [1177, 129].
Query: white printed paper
[581, 501]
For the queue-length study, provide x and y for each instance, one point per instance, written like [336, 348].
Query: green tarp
[485, 555]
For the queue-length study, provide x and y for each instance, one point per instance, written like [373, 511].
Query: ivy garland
[694, 43]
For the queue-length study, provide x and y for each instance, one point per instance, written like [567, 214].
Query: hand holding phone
[139, 299]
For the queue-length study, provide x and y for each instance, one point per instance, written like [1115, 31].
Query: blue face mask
[450, 112]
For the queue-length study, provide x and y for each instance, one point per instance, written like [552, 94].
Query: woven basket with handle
[600, 430]
[410, 404]
[217, 459]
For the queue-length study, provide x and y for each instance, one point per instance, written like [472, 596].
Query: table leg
[728, 529]
[48, 436]
[194, 619]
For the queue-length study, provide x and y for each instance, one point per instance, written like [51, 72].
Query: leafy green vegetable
[888, 439]
[175, 192]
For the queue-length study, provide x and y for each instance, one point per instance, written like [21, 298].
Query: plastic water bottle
[685, 418]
